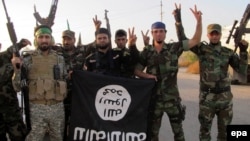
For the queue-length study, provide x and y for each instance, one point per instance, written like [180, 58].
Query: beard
[68, 48]
[102, 46]
[159, 42]
[44, 47]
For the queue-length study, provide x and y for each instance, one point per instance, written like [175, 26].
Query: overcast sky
[122, 14]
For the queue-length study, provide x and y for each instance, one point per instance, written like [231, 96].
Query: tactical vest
[42, 85]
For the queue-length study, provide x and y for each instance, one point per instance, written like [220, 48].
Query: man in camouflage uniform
[74, 59]
[161, 61]
[11, 120]
[46, 74]
[215, 92]
[107, 61]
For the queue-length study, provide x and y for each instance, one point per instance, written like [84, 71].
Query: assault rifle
[49, 21]
[24, 90]
[12, 34]
[241, 29]
[107, 24]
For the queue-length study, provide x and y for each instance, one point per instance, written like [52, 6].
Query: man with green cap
[47, 86]
[215, 92]
[161, 62]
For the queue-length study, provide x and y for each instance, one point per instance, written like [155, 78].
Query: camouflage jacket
[75, 60]
[214, 63]
[8, 97]
[164, 65]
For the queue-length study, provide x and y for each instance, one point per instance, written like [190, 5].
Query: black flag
[106, 108]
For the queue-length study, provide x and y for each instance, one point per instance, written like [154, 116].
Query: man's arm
[198, 32]
[240, 63]
[178, 24]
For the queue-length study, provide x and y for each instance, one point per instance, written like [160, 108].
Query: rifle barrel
[5, 10]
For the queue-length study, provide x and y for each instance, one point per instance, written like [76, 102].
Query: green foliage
[187, 58]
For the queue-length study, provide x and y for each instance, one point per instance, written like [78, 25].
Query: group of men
[50, 87]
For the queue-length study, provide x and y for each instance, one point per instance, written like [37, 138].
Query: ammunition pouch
[47, 89]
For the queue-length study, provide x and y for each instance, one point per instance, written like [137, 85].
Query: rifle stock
[241, 29]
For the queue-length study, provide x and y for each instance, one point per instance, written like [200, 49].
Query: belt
[215, 90]
[45, 102]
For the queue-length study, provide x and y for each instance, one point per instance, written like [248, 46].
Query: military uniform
[73, 61]
[115, 62]
[164, 65]
[215, 92]
[47, 90]
[11, 120]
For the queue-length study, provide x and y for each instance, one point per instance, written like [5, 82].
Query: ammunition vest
[42, 85]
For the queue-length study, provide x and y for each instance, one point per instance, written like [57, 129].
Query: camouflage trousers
[46, 119]
[11, 122]
[211, 105]
[173, 112]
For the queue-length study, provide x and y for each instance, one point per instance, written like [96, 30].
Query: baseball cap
[213, 27]
[68, 33]
[158, 25]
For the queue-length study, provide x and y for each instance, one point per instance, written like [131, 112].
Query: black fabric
[109, 107]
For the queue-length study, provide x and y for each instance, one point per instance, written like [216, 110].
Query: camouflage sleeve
[239, 63]
[198, 48]
[16, 78]
[180, 32]
[142, 62]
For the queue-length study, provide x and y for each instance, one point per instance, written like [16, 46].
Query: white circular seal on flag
[112, 102]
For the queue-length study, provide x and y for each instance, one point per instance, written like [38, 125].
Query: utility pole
[161, 11]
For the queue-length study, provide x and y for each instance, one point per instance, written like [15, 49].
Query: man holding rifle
[11, 121]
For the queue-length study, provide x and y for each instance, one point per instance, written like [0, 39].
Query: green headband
[43, 31]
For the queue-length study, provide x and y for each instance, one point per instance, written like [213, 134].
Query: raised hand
[197, 14]
[23, 43]
[177, 13]
[145, 38]
[97, 23]
[131, 37]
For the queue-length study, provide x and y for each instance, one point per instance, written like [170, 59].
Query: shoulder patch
[27, 53]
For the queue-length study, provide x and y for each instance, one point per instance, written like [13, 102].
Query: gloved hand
[243, 45]
[22, 43]
[177, 13]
